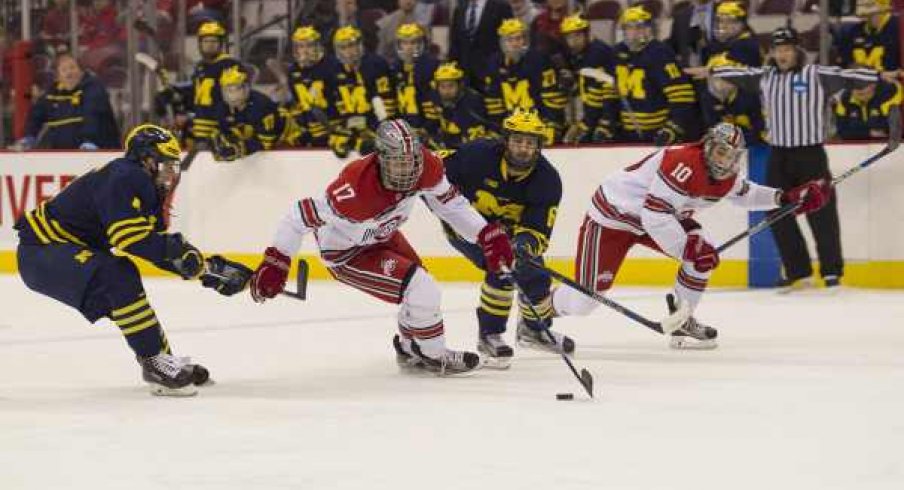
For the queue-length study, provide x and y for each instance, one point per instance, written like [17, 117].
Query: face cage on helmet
[221, 43]
[400, 172]
[727, 28]
[520, 164]
[449, 102]
[354, 59]
[236, 96]
[516, 54]
[315, 50]
[640, 40]
[418, 50]
[725, 167]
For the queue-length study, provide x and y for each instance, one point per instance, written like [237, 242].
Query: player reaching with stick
[652, 203]
[356, 224]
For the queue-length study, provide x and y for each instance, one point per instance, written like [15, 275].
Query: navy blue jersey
[307, 88]
[114, 206]
[742, 109]
[531, 83]
[875, 48]
[353, 89]
[654, 90]
[599, 99]
[524, 205]
[856, 118]
[412, 85]
[259, 125]
[743, 49]
[205, 94]
[451, 126]
[73, 117]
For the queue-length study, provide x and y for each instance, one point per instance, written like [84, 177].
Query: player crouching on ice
[64, 252]
[651, 203]
[511, 182]
[356, 223]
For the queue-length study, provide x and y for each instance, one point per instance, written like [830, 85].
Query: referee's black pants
[791, 167]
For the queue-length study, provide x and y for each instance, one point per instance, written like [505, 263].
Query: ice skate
[449, 362]
[788, 286]
[405, 360]
[495, 352]
[691, 335]
[168, 375]
[538, 339]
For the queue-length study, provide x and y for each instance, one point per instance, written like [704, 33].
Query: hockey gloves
[227, 148]
[225, 276]
[809, 197]
[497, 249]
[703, 255]
[270, 277]
[182, 257]
[527, 246]
[669, 134]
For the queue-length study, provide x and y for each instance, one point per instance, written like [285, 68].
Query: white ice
[804, 392]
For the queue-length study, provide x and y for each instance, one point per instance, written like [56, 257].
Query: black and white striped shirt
[795, 100]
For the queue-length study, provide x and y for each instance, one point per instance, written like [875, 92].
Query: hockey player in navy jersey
[361, 80]
[247, 121]
[519, 77]
[599, 100]
[733, 37]
[309, 76]
[412, 73]
[657, 99]
[65, 247]
[510, 182]
[456, 114]
[873, 42]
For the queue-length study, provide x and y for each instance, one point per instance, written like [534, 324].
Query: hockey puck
[564, 396]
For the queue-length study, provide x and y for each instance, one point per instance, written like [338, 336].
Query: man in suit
[472, 36]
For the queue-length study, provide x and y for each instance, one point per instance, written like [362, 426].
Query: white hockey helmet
[723, 147]
[399, 154]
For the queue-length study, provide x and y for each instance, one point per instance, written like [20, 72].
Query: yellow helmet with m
[573, 23]
[637, 26]
[235, 86]
[513, 38]
[307, 48]
[157, 150]
[448, 80]
[524, 133]
[410, 42]
[348, 45]
[867, 8]
[729, 21]
[211, 39]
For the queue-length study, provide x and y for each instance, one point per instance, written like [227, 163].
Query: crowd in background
[351, 63]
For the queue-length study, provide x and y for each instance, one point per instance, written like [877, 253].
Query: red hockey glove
[701, 253]
[270, 277]
[811, 196]
[497, 249]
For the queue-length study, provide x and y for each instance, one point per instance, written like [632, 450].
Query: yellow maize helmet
[635, 15]
[305, 33]
[235, 86]
[732, 9]
[347, 34]
[866, 8]
[510, 27]
[211, 28]
[409, 31]
[233, 76]
[448, 72]
[151, 140]
[525, 122]
[573, 23]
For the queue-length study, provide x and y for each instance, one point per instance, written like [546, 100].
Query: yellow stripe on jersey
[34, 226]
[125, 310]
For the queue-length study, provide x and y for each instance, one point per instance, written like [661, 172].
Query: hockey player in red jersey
[652, 203]
[356, 224]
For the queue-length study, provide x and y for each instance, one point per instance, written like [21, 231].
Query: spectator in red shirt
[99, 25]
[545, 30]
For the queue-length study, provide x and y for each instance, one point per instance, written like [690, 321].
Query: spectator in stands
[692, 30]
[346, 13]
[545, 29]
[99, 25]
[862, 113]
[74, 114]
[874, 41]
[55, 25]
[389, 24]
[473, 35]
[524, 10]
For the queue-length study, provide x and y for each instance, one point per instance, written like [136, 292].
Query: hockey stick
[894, 140]
[601, 76]
[301, 282]
[584, 377]
[190, 157]
[668, 324]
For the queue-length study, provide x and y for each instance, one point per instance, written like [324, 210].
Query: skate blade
[158, 390]
[690, 343]
[500, 363]
[541, 346]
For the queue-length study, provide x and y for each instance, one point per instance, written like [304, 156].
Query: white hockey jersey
[654, 195]
[356, 211]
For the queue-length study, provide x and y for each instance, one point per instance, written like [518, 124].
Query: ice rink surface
[805, 392]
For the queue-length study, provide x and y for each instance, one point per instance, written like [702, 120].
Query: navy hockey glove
[527, 246]
[182, 257]
[225, 276]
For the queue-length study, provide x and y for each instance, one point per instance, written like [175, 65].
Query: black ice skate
[495, 352]
[692, 334]
[538, 339]
[169, 375]
[450, 362]
[405, 360]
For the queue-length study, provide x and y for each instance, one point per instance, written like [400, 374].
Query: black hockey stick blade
[301, 282]
[894, 128]
[587, 381]
[189, 158]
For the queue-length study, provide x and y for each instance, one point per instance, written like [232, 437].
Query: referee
[794, 95]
